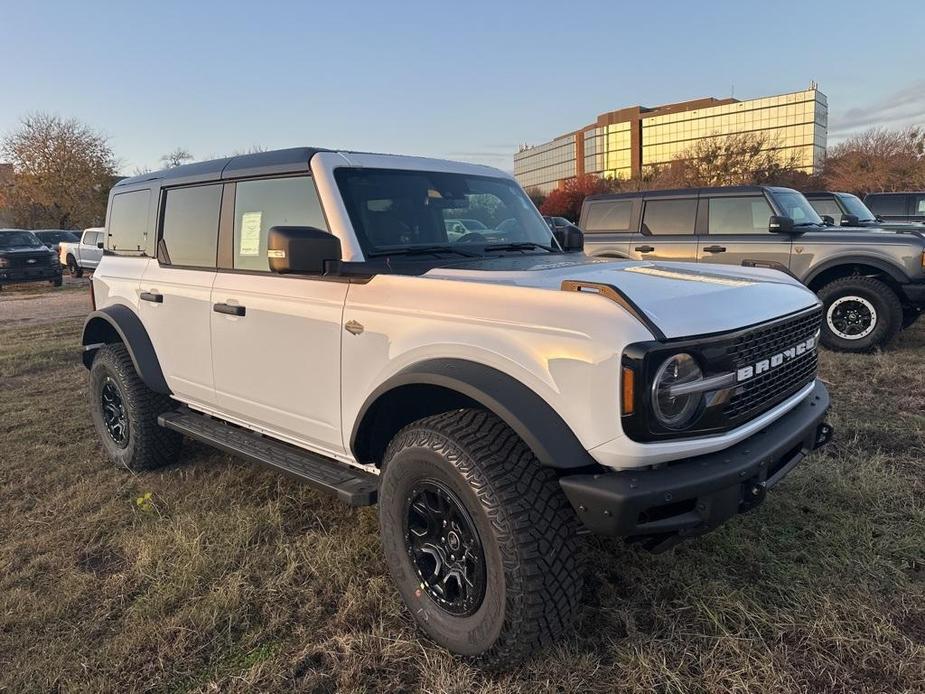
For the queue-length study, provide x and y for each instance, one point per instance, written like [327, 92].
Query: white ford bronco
[494, 390]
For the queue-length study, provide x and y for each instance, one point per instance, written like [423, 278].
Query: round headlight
[673, 408]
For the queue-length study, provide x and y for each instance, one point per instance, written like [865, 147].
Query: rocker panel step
[354, 487]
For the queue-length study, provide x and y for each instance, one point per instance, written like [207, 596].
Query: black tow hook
[823, 435]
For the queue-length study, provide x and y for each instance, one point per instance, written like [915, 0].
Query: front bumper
[29, 274]
[686, 498]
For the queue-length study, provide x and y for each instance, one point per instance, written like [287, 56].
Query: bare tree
[878, 160]
[177, 157]
[62, 173]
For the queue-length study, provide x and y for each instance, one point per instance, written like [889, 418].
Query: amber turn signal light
[629, 390]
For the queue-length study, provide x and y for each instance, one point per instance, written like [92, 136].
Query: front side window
[612, 216]
[795, 206]
[189, 233]
[745, 215]
[259, 205]
[398, 211]
[669, 216]
[128, 222]
[827, 206]
[887, 205]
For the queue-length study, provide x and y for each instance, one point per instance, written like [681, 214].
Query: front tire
[124, 411]
[859, 314]
[480, 540]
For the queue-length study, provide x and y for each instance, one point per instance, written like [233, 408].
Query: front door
[667, 230]
[276, 339]
[738, 233]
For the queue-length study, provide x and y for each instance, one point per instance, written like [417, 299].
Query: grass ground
[214, 575]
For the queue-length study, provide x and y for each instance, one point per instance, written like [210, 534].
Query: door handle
[714, 249]
[153, 297]
[229, 309]
[645, 249]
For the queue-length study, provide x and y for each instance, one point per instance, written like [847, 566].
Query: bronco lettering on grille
[798, 350]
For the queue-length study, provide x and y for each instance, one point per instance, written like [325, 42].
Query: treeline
[876, 160]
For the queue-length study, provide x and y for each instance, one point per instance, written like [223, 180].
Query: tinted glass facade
[622, 144]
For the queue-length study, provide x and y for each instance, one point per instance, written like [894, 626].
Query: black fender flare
[125, 323]
[522, 409]
[884, 266]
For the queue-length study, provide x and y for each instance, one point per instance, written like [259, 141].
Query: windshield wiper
[519, 246]
[424, 250]
[810, 224]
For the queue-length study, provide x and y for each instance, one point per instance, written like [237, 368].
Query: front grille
[762, 392]
[41, 260]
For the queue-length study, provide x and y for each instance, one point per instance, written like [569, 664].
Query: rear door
[667, 229]
[737, 233]
[175, 290]
[607, 225]
[276, 339]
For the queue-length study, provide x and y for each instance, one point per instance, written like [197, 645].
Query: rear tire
[125, 410]
[525, 591]
[859, 314]
[73, 268]
[57, 282]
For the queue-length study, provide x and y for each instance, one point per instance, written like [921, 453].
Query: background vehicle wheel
[125, 410]
[480, 540]
[73, 268]
[57, 282]
[859, 314]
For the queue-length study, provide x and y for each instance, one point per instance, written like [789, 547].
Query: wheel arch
[440, 385]
[856, 265]
[119, 323]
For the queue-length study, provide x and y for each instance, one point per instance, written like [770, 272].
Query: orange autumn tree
[566, 200]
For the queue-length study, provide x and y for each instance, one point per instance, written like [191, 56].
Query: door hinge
[353, 327]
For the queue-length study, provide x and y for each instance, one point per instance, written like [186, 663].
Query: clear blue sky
[466, 80]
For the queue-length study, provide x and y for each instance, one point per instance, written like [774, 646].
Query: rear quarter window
[128, 223]
[608, 216]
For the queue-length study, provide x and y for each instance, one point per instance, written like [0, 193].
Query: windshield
[19, 239]
[57, 236]
[795, 206]
[403, 211]
[854, 206]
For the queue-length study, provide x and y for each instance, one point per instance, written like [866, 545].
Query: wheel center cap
[452, 539]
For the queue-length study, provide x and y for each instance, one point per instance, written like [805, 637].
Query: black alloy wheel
[114, 415]
[445, 549]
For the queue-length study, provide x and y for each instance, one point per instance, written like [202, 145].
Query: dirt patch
[34, 304]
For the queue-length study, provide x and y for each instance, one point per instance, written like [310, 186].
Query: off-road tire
[148, 446]
[526, 526]
[73, 268]
[884, 300]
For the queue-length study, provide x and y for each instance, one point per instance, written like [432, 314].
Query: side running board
[352, 486]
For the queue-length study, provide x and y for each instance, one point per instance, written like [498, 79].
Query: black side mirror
[100, 244]
[879, 218]
[828, 220]
[849, 220]
[301, 250]
[571, 238]
[780, 225]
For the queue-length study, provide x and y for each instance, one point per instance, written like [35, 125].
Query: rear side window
[128, 223]
[189, 233]
[669, 216]
[888, 205]
[746, 215]
[918, 205]
[259, 205]
[609, 216]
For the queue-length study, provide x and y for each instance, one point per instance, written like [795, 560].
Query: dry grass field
[214, 575]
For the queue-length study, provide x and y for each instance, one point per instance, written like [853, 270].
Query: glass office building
[624, 143]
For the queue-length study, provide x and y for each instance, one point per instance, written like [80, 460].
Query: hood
[681, 299]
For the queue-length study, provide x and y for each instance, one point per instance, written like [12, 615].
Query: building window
[189, 233]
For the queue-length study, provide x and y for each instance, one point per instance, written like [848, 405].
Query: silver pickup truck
[85, 254]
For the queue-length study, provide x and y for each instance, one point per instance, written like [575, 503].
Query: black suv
[847, 210]
[24, 258]
[898, 207]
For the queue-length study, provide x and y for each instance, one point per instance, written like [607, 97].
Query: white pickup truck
[85, 254]
[495, 391]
